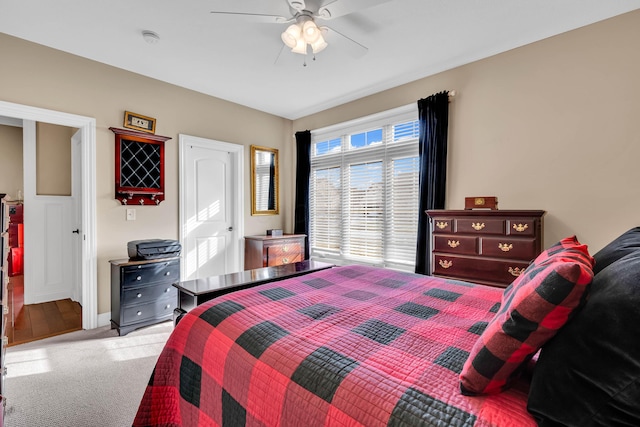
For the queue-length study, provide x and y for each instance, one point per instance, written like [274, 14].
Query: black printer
[153, 249]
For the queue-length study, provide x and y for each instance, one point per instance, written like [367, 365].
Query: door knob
[77, 231]
[230, 229]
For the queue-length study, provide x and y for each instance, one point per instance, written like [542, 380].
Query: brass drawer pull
[285, 260]
[442, 224]
[445, 263]
[505, 247]
[520, 227]
[285, 249]
[453, 243]
[516, 271]
[477, 226]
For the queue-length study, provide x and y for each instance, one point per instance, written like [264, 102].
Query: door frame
[88, 252]
[236, 151]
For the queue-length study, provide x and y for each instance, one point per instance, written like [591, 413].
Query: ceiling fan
[303, 33]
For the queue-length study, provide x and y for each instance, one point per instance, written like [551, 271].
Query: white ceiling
[242, 61]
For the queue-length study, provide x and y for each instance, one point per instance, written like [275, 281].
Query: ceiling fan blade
[337, 8]
[255, 17]
[355, 49]
[297, 5]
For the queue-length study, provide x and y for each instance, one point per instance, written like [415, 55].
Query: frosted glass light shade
[291, 36]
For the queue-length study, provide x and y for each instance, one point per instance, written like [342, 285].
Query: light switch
[131, 214]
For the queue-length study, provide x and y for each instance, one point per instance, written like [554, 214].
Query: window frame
[385, 152]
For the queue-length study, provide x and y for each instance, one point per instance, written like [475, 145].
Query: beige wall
[554, 125]
[47, 78]
[53, 159]
[11, 169]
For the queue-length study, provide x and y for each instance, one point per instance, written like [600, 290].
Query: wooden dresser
[142, 292]
[492, 247]
[7, 211]
[269, 251]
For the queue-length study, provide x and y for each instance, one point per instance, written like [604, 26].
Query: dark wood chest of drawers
[269, 251]
[492, 247]
[142, 292]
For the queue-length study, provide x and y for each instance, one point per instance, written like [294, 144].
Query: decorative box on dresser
[269, 251]
[492, 247]
[142, 292]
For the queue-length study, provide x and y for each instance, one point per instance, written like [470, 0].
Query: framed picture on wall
[139, 122]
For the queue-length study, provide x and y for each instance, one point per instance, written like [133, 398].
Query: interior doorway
[86, 266]
[32, 322]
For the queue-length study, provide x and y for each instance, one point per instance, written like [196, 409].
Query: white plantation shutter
[363, 216]
[325, 203]
[364, 190]
[402, 211]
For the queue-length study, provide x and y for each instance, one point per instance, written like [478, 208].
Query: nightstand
[269, 251]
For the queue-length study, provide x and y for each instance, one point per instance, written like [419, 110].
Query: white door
[211, 207]
[76, 193]
[49, 240]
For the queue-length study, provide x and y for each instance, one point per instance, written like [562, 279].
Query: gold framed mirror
[264, 181]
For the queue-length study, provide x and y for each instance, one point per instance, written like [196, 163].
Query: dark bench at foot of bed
[192, 293]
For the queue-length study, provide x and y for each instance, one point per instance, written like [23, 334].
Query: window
[363, 191]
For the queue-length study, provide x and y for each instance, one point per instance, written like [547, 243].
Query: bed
[366, 346]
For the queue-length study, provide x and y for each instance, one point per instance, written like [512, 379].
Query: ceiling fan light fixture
[291, 36]
[300, 47]
[318, 45]
[311, 32]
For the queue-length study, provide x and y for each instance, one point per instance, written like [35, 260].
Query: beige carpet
[81, 379]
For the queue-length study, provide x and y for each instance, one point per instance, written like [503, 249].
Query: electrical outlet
[131, 214]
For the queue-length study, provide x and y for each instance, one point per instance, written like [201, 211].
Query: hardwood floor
[36, 321]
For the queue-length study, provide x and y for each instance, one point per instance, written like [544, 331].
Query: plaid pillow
[534, 307]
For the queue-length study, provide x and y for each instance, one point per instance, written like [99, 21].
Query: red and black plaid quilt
[348, 346]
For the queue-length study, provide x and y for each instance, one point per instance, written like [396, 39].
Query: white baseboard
[104, 319]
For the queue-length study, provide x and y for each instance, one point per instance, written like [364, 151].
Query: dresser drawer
[442, 225]
[153, 310]
[475, 269]
[463, 245]
[168, 271]
[521, 227]
[507, 247]
[284, 254]
[480, 225]
[146, 294]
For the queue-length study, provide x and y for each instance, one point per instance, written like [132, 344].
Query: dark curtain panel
[303, 169]
[433, 116]
[272, 185]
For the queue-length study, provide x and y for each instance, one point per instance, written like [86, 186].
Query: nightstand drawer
[167, 271]
[146, 294]
[154, 310]
[284, 254]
